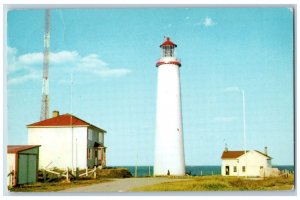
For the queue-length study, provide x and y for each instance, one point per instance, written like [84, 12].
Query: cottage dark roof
[232, 154]
[236, 154]
[18, 148]
[62, 120]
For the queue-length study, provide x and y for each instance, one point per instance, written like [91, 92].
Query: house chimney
[55, 113]
[266, 150]
[226, 148]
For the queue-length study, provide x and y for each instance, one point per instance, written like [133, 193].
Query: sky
[110, 56]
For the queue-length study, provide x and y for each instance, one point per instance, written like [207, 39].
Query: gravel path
[120, 185]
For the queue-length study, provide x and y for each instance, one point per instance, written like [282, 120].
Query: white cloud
[208, 22]
[187, 17]
[64, 57]
[11, 58]
[31, 58]
[29, 66]
[55, 58]
[30, 75]
[92, 64]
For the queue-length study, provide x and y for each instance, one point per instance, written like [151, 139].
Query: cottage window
[234, 169]
[244, 169]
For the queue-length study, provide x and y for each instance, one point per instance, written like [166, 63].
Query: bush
[113, 173]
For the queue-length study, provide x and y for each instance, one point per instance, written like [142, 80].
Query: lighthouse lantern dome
[168, 48]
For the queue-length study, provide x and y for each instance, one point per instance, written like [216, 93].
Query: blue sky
[112, 54]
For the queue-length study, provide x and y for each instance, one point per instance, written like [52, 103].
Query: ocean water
[193, 170]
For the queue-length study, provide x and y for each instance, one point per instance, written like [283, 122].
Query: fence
[68, 173]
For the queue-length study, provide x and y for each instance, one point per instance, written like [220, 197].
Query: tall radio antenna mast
[45, 89]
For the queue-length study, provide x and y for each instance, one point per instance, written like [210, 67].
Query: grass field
[220, 183]
[55, 186]
[103, 175]
[186, 183]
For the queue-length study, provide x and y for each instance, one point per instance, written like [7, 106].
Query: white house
[67, 141]
[239, 163]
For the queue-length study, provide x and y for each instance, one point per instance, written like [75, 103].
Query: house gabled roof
[65, 120]
[236, 154]
[18, 148]
[232, 154]
[263, 154]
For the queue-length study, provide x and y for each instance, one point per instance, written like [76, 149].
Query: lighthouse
[169, 149]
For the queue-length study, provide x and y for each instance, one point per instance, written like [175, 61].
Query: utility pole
[45, 89]
[244, 119]
[136, 168]
[244, 127]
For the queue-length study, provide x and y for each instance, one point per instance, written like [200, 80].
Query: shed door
[27, 169]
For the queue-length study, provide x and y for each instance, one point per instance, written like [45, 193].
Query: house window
[244, 169]
[89, 154]
[90, 134]
[269, 163]
[234, 169]
[101, 137]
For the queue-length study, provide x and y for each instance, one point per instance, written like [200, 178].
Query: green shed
[22, 164]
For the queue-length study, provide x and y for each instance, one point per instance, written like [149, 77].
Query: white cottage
[67, 141]
[239, 163]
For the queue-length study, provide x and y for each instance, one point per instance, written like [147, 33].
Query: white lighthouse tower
[169, 149]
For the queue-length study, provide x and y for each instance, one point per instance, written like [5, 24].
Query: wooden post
[135, 171]
[10, 180]
[86, 172]
[95, 174]
[201, 172]
[67, 175]
[44, 175]
[77, 173]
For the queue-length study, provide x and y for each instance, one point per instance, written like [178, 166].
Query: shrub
[114, 173]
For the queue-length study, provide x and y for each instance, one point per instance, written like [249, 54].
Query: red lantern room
[168, 51]
[168, 48]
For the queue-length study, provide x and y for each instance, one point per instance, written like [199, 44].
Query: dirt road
[120, 185]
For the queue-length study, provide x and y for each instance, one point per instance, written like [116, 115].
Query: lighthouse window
[168, 51]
